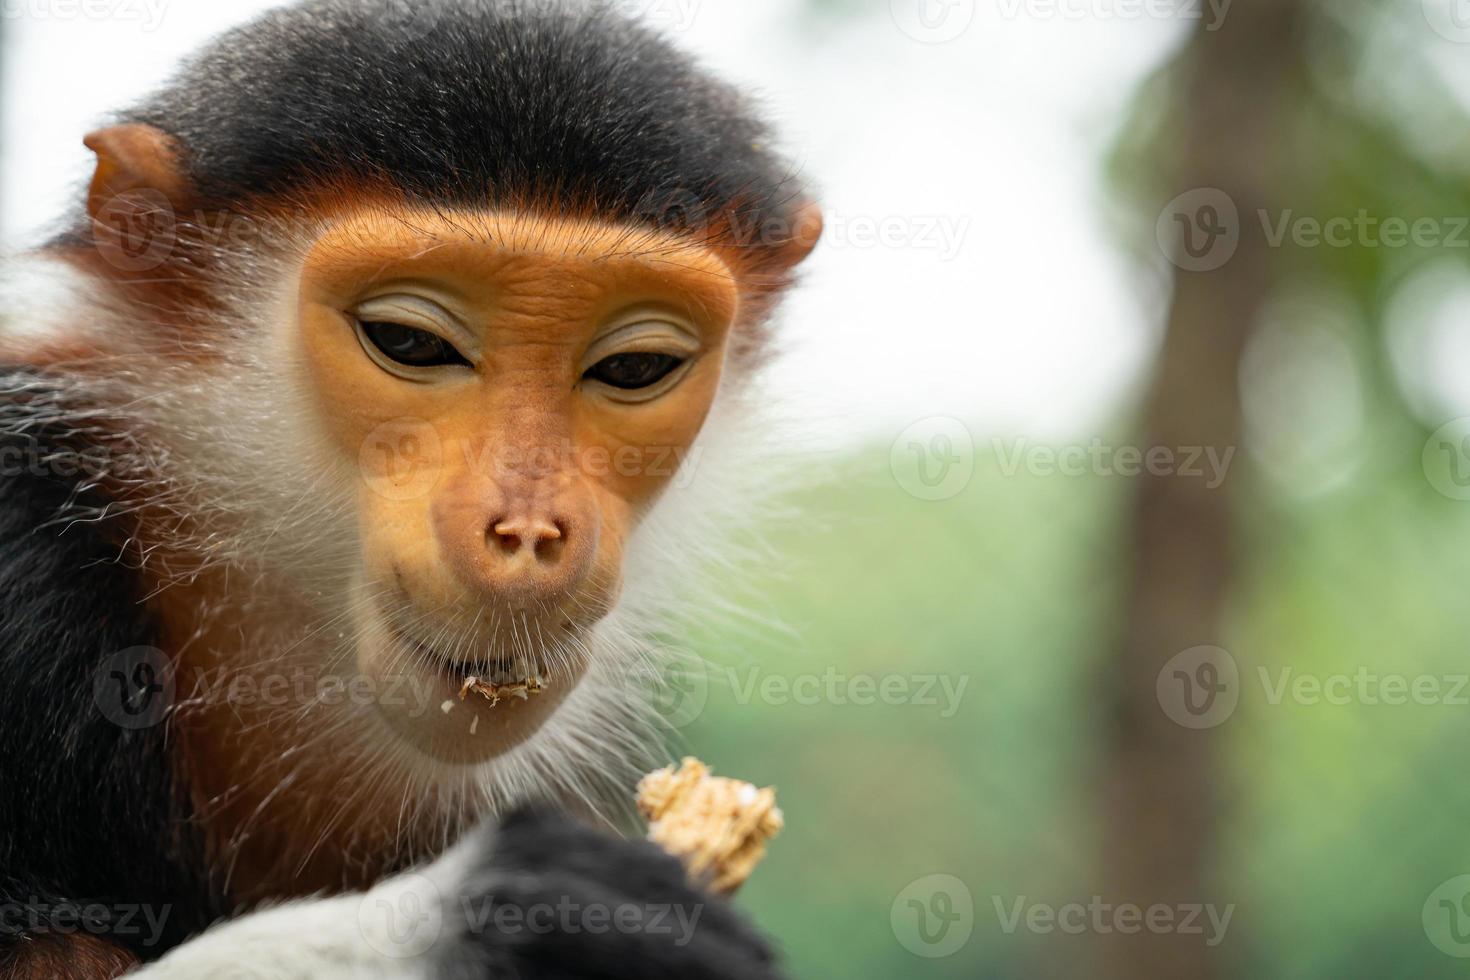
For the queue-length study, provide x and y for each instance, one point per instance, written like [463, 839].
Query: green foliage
[1339, 820]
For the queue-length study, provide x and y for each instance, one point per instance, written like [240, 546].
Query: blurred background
[1124, 633]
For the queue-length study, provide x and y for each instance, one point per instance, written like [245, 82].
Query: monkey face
[510, 395]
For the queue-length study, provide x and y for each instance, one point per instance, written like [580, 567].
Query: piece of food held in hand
[717, 827]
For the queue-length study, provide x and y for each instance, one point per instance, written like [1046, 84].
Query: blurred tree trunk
[1162, 792]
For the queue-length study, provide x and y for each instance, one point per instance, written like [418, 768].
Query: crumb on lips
[495, 693]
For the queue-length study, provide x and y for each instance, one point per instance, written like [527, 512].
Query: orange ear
[806, 231]
[132, 158]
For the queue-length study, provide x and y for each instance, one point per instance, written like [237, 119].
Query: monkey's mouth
[461, 695]
[494, 678]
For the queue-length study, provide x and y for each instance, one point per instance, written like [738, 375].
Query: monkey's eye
[633, 371]
[412, 347]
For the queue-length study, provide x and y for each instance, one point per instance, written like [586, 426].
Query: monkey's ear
[806, 231]
[132, 158]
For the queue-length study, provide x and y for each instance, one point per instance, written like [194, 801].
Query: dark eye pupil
[633, 371]
[411, 346]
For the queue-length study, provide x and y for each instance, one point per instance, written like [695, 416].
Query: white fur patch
[393, 932]
[37, 295]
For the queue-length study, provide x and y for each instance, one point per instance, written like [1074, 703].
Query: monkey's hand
[538, 898]
[550, 898]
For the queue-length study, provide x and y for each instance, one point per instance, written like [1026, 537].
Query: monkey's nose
[517, 547]
[540, 536]
[535, 552]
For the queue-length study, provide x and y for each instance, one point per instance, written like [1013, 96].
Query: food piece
[717, 827]
[495, 693]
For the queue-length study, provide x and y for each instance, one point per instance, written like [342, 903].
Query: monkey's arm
[540, 897]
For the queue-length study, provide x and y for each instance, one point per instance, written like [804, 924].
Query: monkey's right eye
[411, 346]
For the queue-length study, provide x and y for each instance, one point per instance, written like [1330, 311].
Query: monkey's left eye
[631, 372]
[412, 347]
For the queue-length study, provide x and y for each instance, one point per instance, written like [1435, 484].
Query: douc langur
[396, 353]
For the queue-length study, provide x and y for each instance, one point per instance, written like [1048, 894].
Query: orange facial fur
[518, 442]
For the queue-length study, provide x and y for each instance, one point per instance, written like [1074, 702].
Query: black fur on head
[472, 103]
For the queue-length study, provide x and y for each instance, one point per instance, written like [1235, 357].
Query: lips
[479, 701]
[497, 692]
[494, 678]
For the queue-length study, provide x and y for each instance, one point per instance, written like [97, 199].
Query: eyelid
[649, 332]
[420, 313]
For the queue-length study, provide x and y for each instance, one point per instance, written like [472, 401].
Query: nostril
[551, 543]
[505, 535]
[545, 537]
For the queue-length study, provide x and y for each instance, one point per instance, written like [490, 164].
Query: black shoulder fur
[90, 823]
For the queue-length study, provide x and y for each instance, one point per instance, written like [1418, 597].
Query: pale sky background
[1001, 296]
